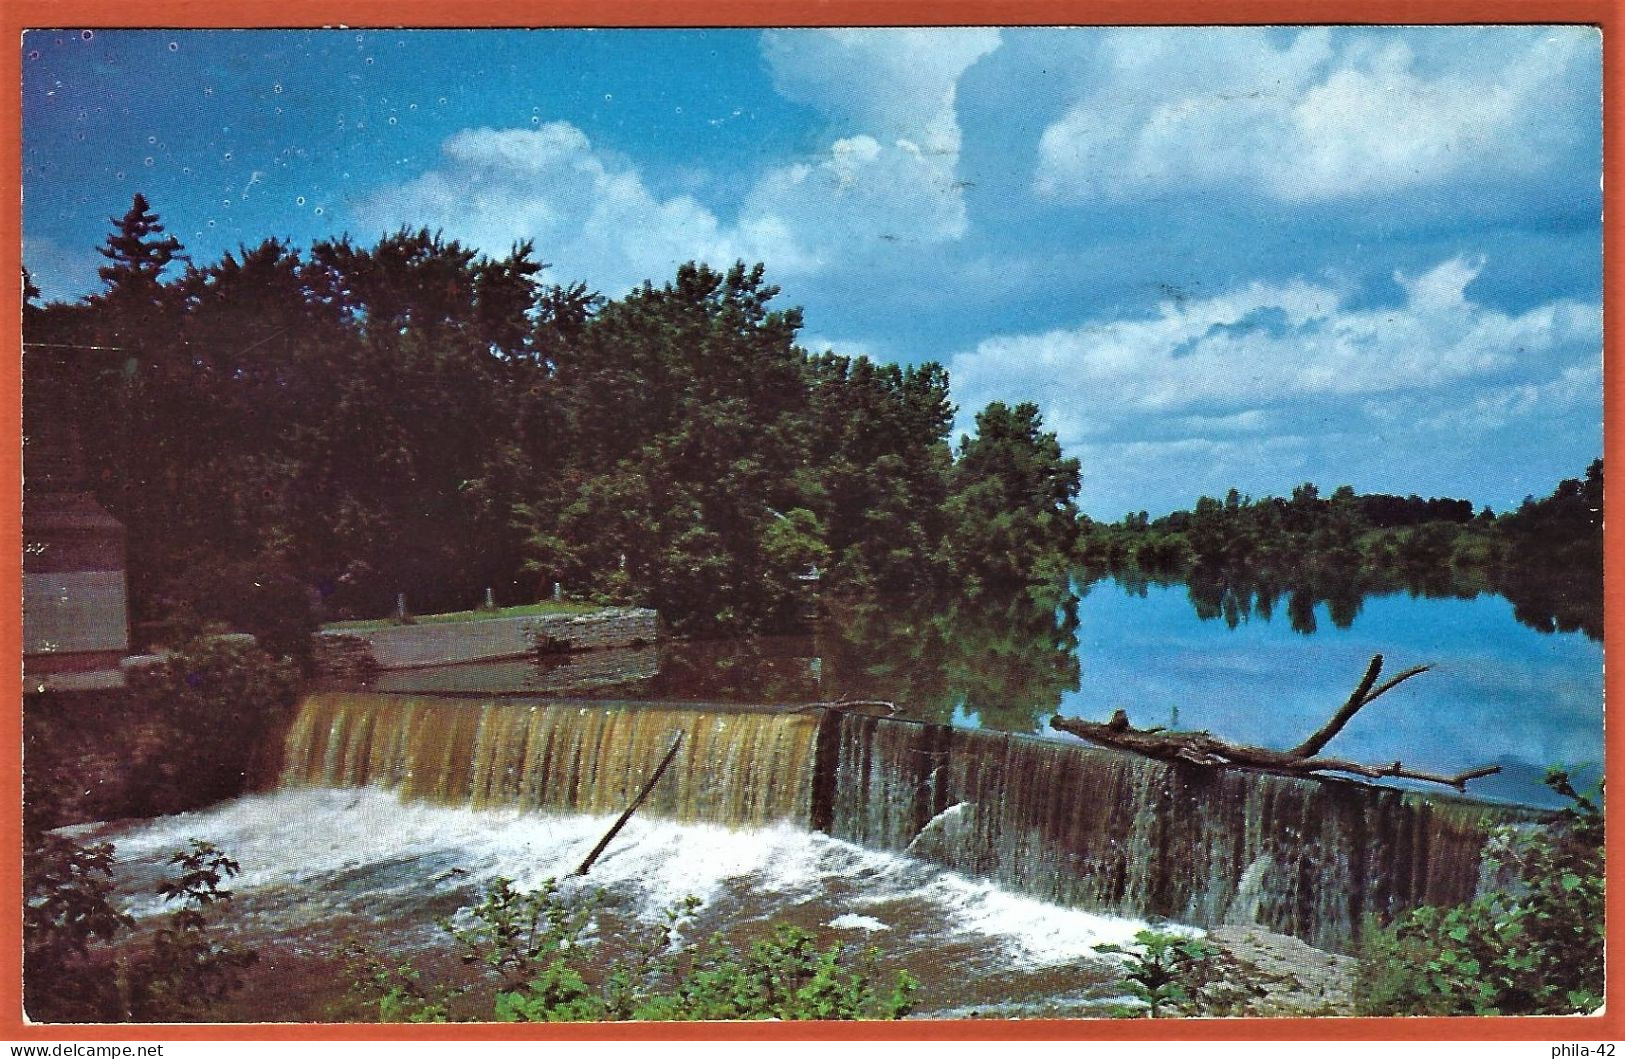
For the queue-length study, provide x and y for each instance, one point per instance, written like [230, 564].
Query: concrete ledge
[579, 671]
[356, 652]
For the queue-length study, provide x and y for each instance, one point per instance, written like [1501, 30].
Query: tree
[139, 253]
[880, 465]
[1012, 512]
[684, 408]
[130, 395]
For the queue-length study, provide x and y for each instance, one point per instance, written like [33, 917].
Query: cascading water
[1063, 822]
[1083, 826]
[739, 768]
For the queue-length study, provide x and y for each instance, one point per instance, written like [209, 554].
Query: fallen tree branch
[1202, 748]
[1363, 694]
[660, 770]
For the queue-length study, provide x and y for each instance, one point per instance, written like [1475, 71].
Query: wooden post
[660, 770]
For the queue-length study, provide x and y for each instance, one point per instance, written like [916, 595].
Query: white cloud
[1307, 120]
[886, 181]
[894, 84]
[891, 178]
[1214, 392]
[815, 344]
[591, 216]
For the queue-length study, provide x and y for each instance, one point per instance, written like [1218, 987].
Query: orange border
[17, 15]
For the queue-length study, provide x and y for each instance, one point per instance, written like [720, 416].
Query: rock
[1261, 973]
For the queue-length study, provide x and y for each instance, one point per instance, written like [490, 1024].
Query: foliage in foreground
[540, 950]
[1532, 947]
[1162, 973]
[73, 970]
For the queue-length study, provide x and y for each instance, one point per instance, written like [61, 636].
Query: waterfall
[1094, 828]
[738, 767]
[1064, 822]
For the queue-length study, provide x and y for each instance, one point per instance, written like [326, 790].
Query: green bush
[1162, 972]
[214, 702]
[184, 970]
[68, 917]
[539, 950]
[80, 963]
[1531, 947]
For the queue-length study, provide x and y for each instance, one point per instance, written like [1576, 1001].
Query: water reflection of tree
[1237, 594]
[775, 669]
[1554, 603]
[1004, 658]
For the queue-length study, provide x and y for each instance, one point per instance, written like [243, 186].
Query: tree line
[290, 434]
[1243, 555]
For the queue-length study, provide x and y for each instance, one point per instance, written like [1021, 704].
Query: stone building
[75, 612]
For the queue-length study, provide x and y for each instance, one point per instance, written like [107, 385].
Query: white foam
[304, 839]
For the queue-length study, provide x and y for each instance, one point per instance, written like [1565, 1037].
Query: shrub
[1532, 947]
[184, 970]
[68, 916]
[214, 702]
[76, 970]
[1162, 972]
[540, 949]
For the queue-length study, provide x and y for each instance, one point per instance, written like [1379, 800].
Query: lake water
[1499, 691]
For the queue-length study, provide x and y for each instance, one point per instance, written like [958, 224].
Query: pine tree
[139, 252]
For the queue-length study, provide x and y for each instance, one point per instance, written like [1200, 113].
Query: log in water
[1067, 823]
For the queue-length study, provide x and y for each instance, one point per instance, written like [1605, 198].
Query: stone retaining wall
[349, 653]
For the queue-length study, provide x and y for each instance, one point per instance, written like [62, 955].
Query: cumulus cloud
[590, 215]
[1314, 117]
[894, 84]
[1272, 376]
[886, 179]
[860, 198]
[890, 179]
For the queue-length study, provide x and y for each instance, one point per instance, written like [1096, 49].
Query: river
[975, 848]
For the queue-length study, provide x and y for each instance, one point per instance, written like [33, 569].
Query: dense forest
[291, 435]
[1241, 556]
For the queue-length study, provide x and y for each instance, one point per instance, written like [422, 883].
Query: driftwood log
[1201, 748]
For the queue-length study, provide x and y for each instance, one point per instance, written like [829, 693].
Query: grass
[526, 611]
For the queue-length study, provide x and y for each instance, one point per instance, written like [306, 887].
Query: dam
[1062, 822]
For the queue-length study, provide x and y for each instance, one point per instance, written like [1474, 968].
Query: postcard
[1065, 526]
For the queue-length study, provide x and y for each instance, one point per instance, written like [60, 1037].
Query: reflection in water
[1002, 662]
[1267, 664]
[1237, 595]
[1246, 658]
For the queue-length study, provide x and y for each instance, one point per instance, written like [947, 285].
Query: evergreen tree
[138, 254]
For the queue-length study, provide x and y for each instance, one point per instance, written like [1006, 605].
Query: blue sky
[1213, 257]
